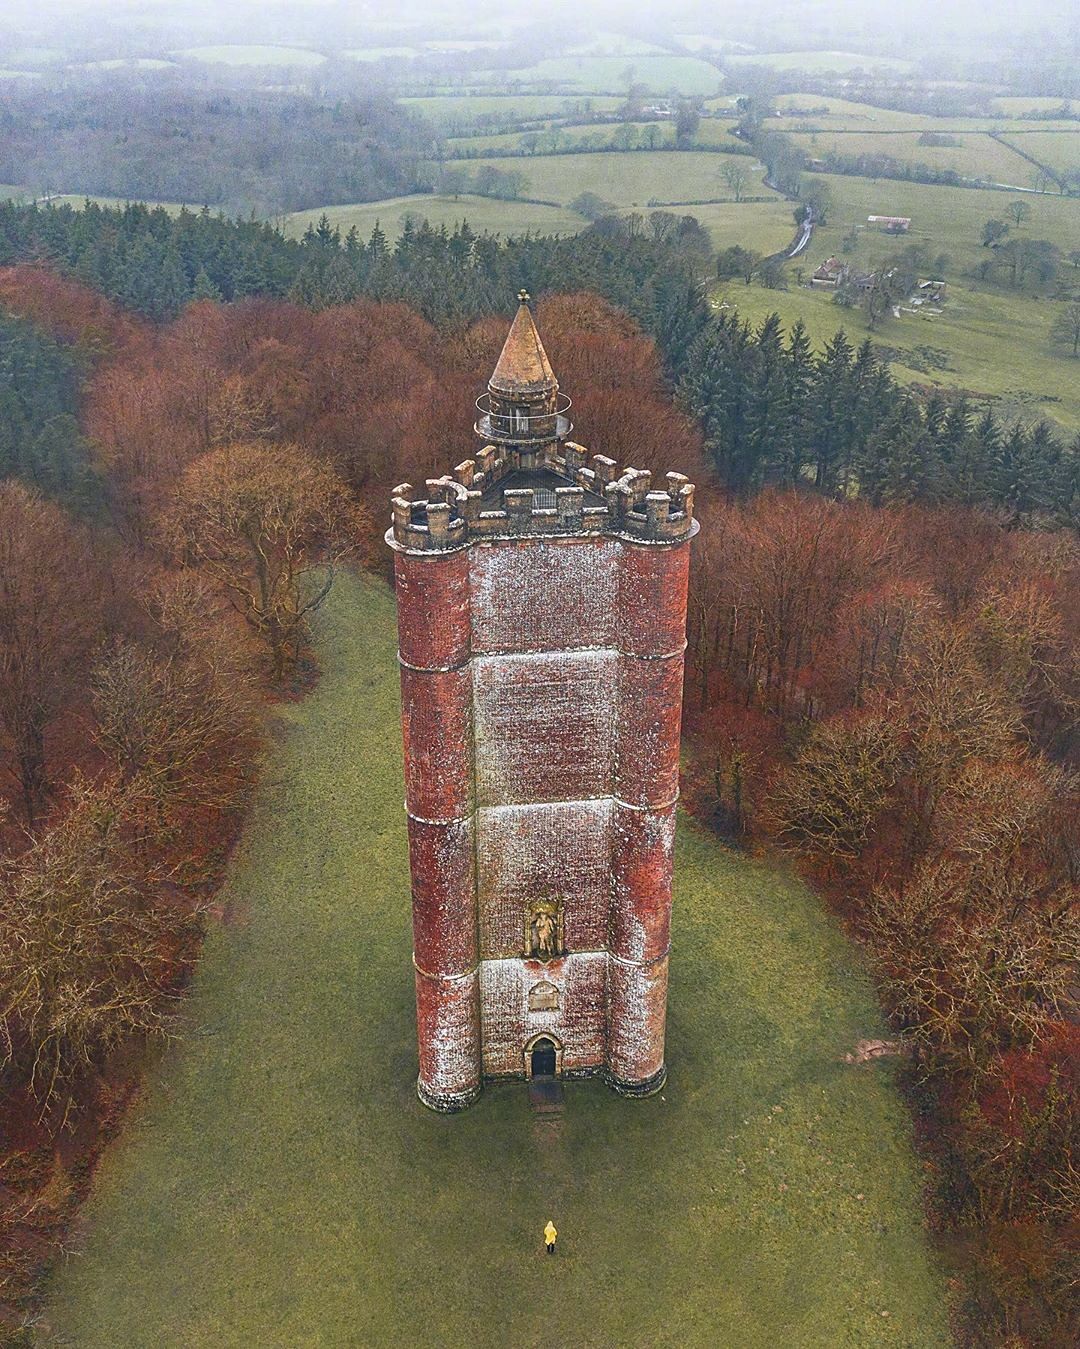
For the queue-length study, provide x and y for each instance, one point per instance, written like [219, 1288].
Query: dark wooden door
[543, 1059]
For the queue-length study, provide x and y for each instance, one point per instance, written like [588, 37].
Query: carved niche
[544, 932]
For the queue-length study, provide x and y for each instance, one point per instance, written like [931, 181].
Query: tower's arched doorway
[543, 1057]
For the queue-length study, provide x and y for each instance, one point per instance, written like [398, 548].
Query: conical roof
[523, 366]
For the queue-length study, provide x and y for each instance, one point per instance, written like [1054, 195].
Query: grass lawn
[280, 1185]
[482, 213]
[234, 54]
[631, 179]
[991, 343]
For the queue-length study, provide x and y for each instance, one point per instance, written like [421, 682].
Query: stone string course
[541, 675]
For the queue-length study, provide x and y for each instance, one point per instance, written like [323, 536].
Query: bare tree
[49, 621]
[1019, 210]
[271, 524]
[88, 945]
[1066, 327]
[736, 177]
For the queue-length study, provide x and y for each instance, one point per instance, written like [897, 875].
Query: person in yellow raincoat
[550, 1233]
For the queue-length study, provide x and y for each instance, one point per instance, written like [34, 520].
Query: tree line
[889, 694]
[260, 151]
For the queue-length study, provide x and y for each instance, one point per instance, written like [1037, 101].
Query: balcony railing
[521, 428]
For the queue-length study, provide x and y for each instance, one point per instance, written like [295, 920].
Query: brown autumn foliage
[50, 619]
[891, 695]
[269, 525]
[371, 389]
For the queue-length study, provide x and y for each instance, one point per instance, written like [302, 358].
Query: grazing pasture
[632, 179]
[947, 219]
[280, 1185]
[1058, 150]
[993, 344]
[976, 155]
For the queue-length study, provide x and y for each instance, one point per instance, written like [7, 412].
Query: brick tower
[542, 616]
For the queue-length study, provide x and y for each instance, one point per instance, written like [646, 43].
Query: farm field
[482, 213]
[711, 131]
[766, 226]
[279, 1184]
[478, 114]
[947, 219]
[993, 344]
[606, 74]
[820, 63]
[238, 55]
[1060, 150]
[977, 156]
[596, 134]
[843, 115]
[1017, 106]
[633, 179]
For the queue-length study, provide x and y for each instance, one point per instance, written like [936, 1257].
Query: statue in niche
[544, 931]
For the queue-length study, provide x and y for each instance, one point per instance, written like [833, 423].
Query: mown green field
[995, 345]
[977, 155]
[482, 213]
[230, 54]
[627, 179]
[279, 1185]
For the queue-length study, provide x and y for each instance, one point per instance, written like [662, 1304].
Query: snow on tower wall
[541, 674]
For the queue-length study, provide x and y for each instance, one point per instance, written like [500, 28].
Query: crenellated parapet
[574, 495]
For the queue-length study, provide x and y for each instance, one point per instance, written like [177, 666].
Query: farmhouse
[542, 618]
[830, 273]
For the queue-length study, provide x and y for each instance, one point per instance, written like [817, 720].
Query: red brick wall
[541, 689]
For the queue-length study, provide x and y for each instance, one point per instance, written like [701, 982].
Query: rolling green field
[279, 1185]
[766, 226]
[948, 219]
[1060, 150]
[237, 55]
[460, 111]
[977, 156]
[606, 74]
[627, 179]
[820, 63]
[482, 213]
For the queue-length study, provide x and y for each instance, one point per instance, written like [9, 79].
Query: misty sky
[697, 16]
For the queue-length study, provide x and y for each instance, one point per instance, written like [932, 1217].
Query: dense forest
[259, 152]
[773, 412]
[882, 673]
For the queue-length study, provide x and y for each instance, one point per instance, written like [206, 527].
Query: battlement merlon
[452, 515]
